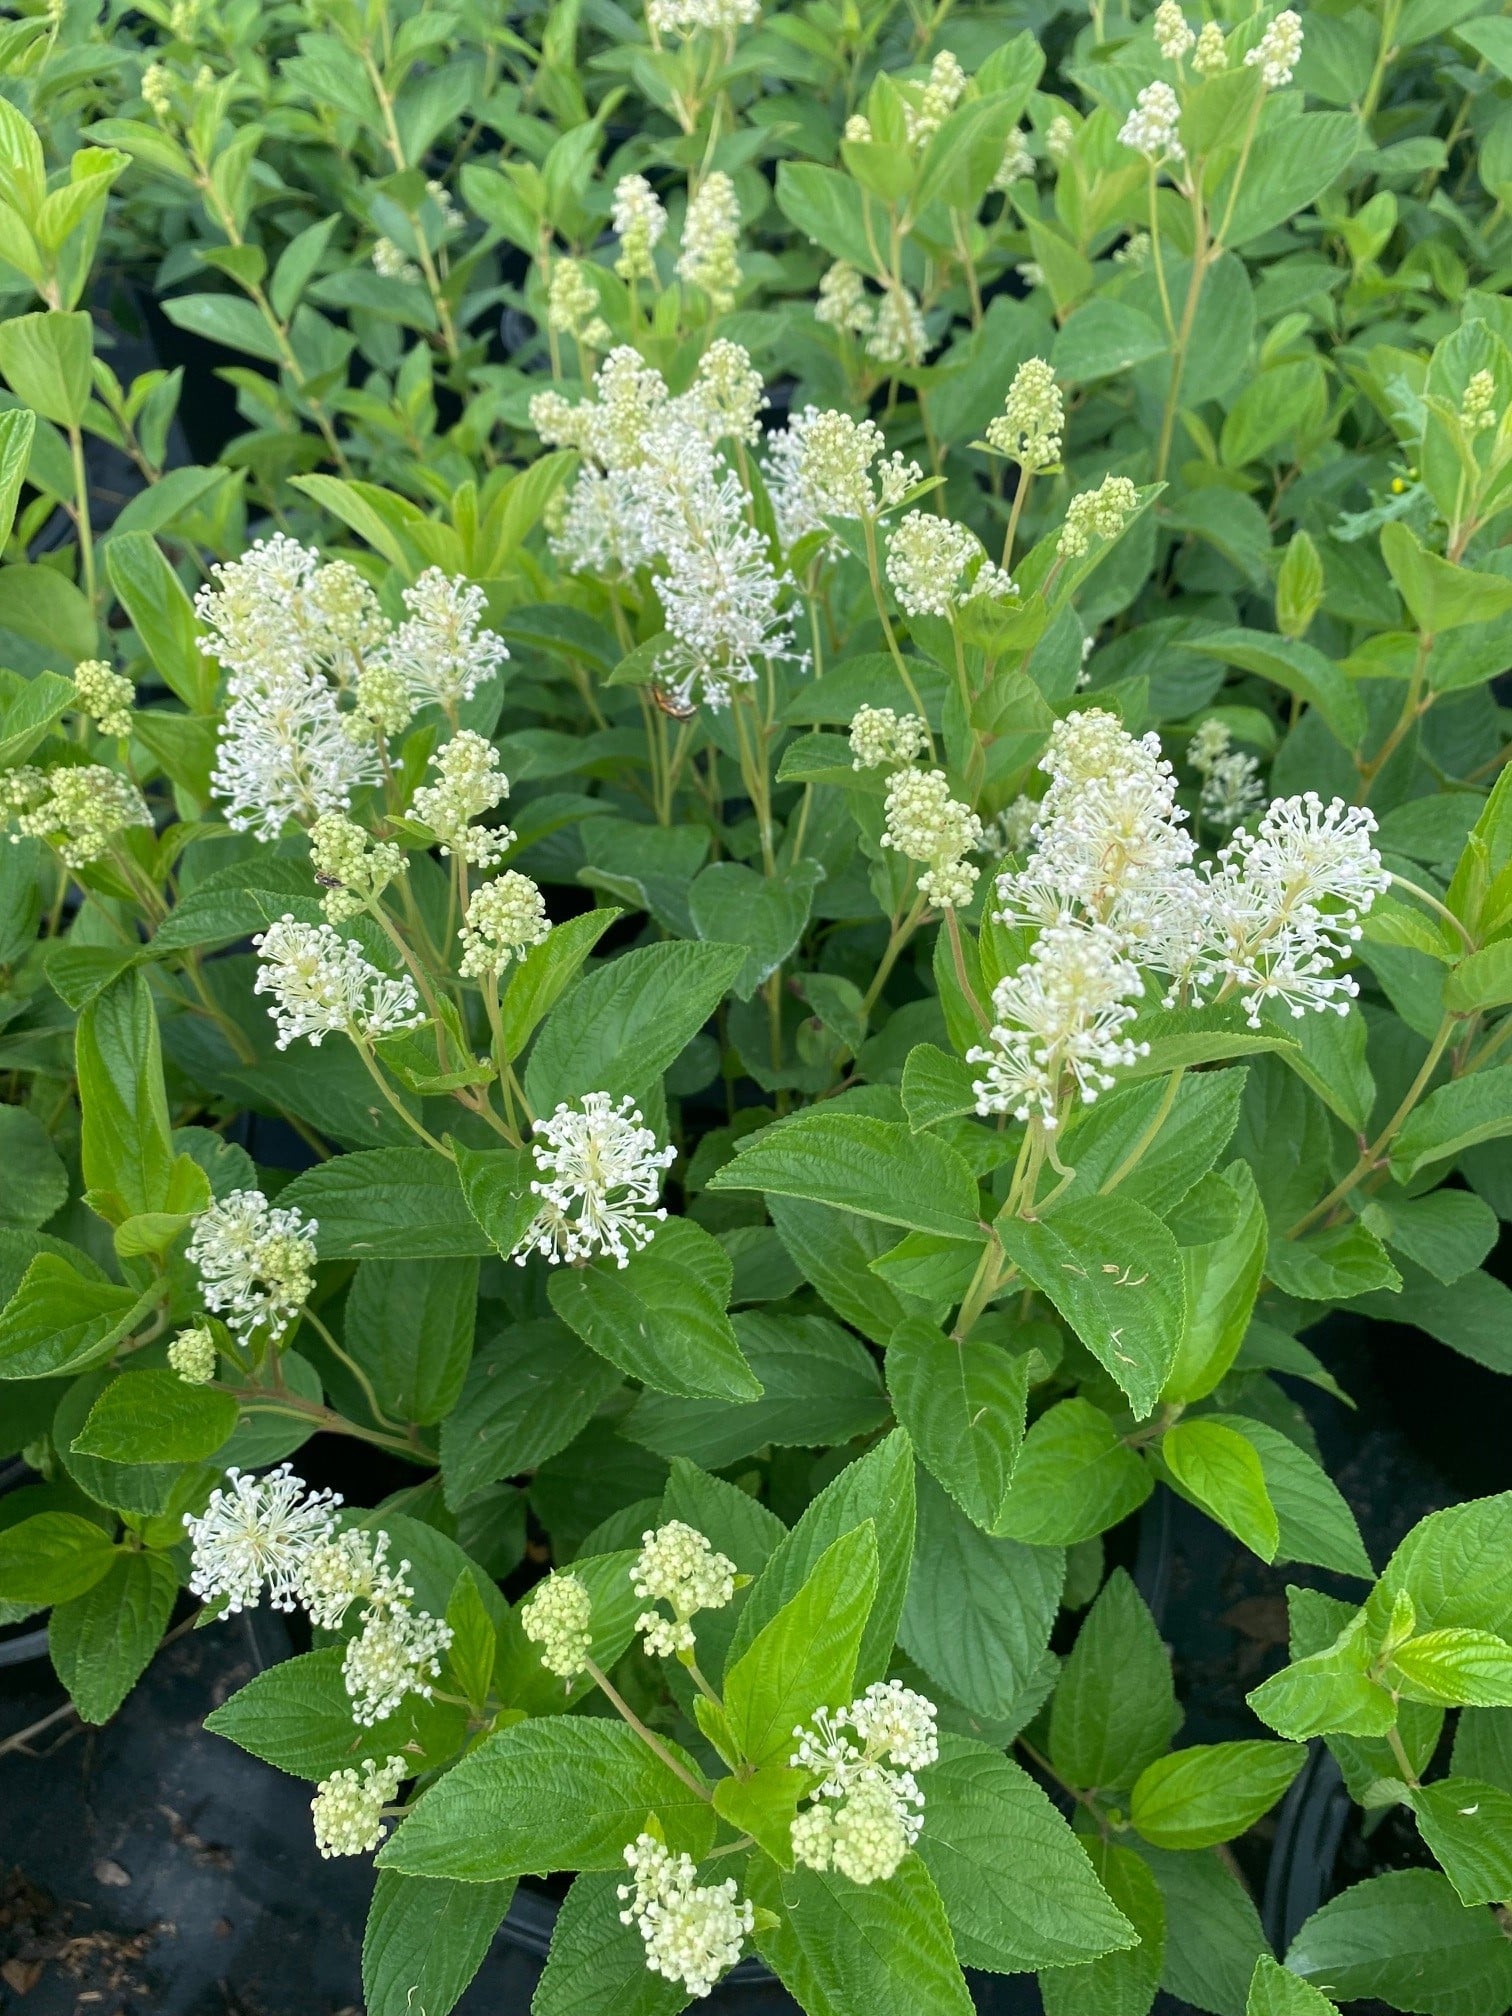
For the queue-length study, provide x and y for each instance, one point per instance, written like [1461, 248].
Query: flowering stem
[653, 1742]
[1156, 258]
[81, 511]
[417, 972]
[254, 1400]
[869, 528]
[958, 955]
[337, 1351]
[1184, 333]
[900, 935]
[1015, 512]
[1427, 896]
[392, 1098]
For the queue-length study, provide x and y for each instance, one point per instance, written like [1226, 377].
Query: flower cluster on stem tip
[686, 17]
[928, 825]
[321, 982]
[1231, 787]
[1057, 1022]
[78, 808]
[1151, 127]
[711, 236]
[600, 1178]
[831, 466]
[256, 1264]
[926, 558]
[558, 1616]
[1276, 53]
[192, 1355]
[504, 919]
[440, 650]
[1173, 38]
[639, 222]
[1097, 514]
[470, 784]
[878, 736]
[678, 1565]
[253, 1536]
[348, 1807]
[351, 866]
[572, 305]
[105, 695]
[693, 1932]
[1211, 53]
[864, 1814]
[1028, 430]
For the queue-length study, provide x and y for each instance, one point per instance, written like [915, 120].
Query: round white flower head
[711, 236]
[678, 1565]
[397, 1653]
[727, 393]
[1028, 430]
[1231, 787]
[1277, 50]
[865, 1815]
[1097, 514]
[390, 263]
[256, 1264]
[1211, 54]
[600, 1177]
[280, 611]
[926, 557]
[349, 1567]
[351, 867]
[348, 1807]
[878, 736]
[558, 1616]
[833, 467]
[1013, 829]
[321, 982]
[898, 334]
[686, 17]
[471, 784]
[78, 809]
[285, 753]
[639, 222]
[925, 111]
[256, 1535]
[1151, 127]
[105, 695]
[504, 919]
[693, 1933]
[192, 1355]
[1058, 1023]
[843, 302]
[1173, 37]
[439, 650]
[928, 825]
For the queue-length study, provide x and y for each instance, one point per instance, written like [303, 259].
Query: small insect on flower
[348, 1808]
[256, 1264]
[600, 1178]
[693, 1933]
[255, 1536]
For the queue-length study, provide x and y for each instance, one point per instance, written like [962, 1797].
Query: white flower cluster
[1028, 430]
[821, 466]
[1212, 52]
[322, 982]
[192, 1355]
[105, 695]
[692, 1932]
[270, 1534]
[865, 1811]
[678, 1565]
[1477, 411]
[927, 824]
[390, 263]
[1060, 137]
[1097, 514]
[348, 1808]
[711, 240]
[504, 919]
[878, 736]
[296, 636]
[639, 222]
[654, 492]
[1173, 38]
[471, 783]
[1017, 161]
[572, 305]
[927, 558]
[558, 1617]
[351, 867]
[1151, 127]
[1110, 883]
[78, 808]
[926, 108]
[1231, 787]
[599, 1183]
[1277, 51]
[686, 17]
[256, 1264]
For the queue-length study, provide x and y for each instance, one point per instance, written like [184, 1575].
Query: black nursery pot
[23, 1642]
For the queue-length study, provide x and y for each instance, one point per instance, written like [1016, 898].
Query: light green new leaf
[805, 1657]
[1454, 1667]
[1275, 1991]
[1219, 1469]
[1211, 1792]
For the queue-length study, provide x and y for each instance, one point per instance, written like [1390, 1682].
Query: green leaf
[1223, 1278]
[1076, 1477]
[963, 1406]
[17, 431]
[1276, 1991]
[1297, 667]
[828, 208]
[878, 1487]
[1289, 167]
[1211, 1792]
[876, 1168]
[765, 913]
[1440, 595]
[848, 1949]
[979, 1610]
[1328, 1692]
[834, 1250]
[37, 705]
[1448, 1233]
[46, 358]
[126, 1148]
[1213, 1935]
[409, 1324]
[425, 1940]
[1115, 1704]
[538, 981]
[36, 1182]
[390, 1203]
[619, 1027]
[152, 1416]
[1468, 1826]
[1194, 1133]
[819, 1384]
[1121, 1983]
[297, 1716]
[1219, 1469]
[1113, 1271]
[1455, 1117]
[52, 1556]
[528, 1393]
[100, 1642]
[1456, 1566]
[1455, 1668]
[162, 617]
[661, 1317]
[1015, 1881]
[60, 1320]
[559, 1793]
[1406, 1938]
[805, 1657]
[1314, 1518]
[45, 608]
[597, 1966]
[224, 318]
[1104, 338]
